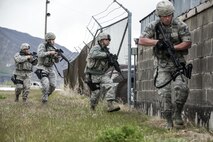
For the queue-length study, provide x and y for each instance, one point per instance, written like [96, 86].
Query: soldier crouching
[24, 62]
[97, 78]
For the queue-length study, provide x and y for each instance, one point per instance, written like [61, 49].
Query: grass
[67, 118]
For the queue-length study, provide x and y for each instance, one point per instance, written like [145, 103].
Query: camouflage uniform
[46, 69]
[22, 73]
[177, 90]
[96, 68]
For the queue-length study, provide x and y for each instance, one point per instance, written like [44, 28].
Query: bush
[122, 134]
[2, 97]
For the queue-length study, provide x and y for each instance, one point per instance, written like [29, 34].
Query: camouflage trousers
[107, 89]
[48, 84]
[23, 88]
[176, 92]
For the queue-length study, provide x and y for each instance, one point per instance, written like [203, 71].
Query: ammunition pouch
[48, 61]
[25, 66]
[40, 73]
[91, 85]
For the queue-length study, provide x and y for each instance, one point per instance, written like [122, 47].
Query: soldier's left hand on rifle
[54, 54]
[164, 44]
[112, 58]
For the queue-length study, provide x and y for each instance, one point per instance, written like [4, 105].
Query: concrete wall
[199, 106]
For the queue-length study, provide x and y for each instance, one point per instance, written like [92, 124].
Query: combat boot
[93, 104]
[169, 121]
[17, 98]
[24, 100]
[111, 107]
[92, 107]
[177, 116]
[44, 101]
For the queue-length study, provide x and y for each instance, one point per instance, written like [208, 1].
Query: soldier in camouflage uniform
[99, 82]
[24, 63]
[47, 56]
[179, 34]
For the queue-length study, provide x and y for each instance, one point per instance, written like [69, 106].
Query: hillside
[10, 41]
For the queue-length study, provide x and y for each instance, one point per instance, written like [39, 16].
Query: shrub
[2, 97]
[121, 134]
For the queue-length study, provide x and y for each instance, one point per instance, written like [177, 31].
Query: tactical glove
[169, 44]
[112, 59]
[165, 45]
[162, 45]
[115, 57]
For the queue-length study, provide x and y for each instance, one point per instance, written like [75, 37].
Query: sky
[68, 19]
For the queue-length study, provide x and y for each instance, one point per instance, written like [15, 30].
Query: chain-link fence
[114, 21]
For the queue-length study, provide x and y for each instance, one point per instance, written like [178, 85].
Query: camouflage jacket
[23, 65]
[97, 61]
[45, 60]
[178, 32]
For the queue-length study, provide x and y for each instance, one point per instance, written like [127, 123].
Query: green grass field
[67, 118]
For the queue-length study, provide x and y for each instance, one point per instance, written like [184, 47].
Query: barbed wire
[107, 13]
[105, 9]
[113, 18]
[107, 16]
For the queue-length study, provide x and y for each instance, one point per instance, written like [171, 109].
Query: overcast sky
[69, 18]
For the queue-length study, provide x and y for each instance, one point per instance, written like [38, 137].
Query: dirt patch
[191, 133]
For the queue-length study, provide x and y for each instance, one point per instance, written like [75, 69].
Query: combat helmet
[24, 46]
[103, 36]
[164, 8]
[50, 36]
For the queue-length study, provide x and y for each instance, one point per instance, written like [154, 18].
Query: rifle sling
[58, 71]
[174, 75]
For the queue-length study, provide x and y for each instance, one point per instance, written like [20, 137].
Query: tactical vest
[24, 66]
[172, 34]
[96, 66]
[48, 61]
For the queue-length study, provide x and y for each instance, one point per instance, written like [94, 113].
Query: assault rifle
[35, 58]
[181, 68]
[34, 54]
[113, 61]
[60, 53]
